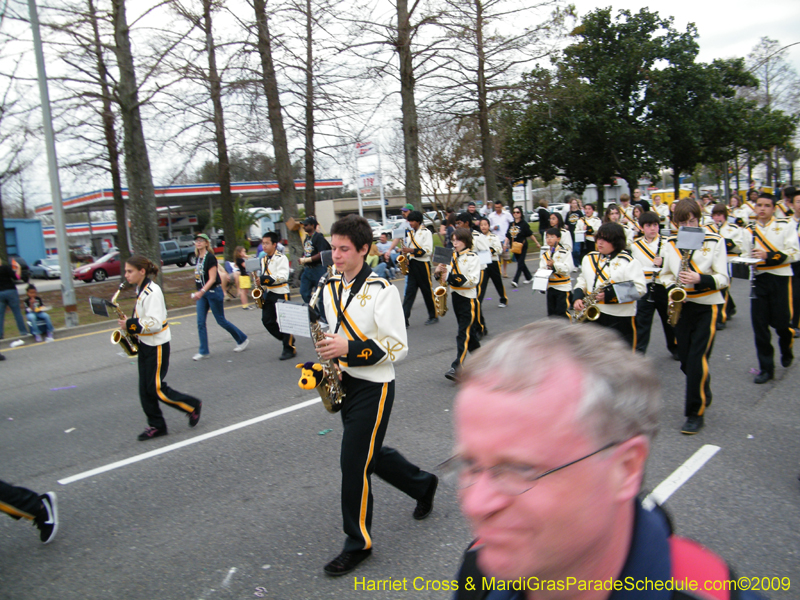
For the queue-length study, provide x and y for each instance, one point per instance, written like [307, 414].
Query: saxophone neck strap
[354, 289]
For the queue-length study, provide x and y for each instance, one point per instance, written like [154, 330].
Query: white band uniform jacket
[149, 320]
[480, 243]
[662, 210]
[589, 225]
[464, 273]
[732, 236]
[275, 273]
[783, 210]
[495, 245]
[421, 241]
[710, 261]
[562, 267]
[645, 252]
[779, 238]
[376, 334]
[598, 269]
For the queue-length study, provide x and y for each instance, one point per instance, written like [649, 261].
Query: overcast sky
[727, 29]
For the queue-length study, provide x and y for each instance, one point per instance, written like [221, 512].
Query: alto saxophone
[677, 295]
[440, 297]
[402, 264]
[590, 312]
[129, 343]
[258, 292]
[330, 389]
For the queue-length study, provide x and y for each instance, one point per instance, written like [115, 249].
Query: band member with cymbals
[462, 275]
[417, 249]
[705, 275]
[774, 241]
[274, 278]
[367, 337]
[149, 324]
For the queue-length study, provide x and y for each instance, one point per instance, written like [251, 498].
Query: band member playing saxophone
[703, 280]
[417, 249]
[611, 264]
[367, 337]
[149, 323]
[274, 279]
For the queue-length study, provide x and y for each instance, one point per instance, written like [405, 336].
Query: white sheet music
[293, 319]
[540, 279]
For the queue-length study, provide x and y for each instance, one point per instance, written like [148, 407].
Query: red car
[100, 270]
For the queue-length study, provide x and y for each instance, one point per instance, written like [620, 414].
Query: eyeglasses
[508, 478]
[516, 212]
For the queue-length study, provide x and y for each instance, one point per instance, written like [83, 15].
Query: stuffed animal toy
[310, 376]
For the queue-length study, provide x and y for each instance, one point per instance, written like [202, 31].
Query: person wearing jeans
[209, 295]
[9, 297]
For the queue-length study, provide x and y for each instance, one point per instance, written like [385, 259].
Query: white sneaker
[16, 344]
[241, 347]
[199, 356]
[528, 281]
[49, 338]
[514, 284]
[502, 305]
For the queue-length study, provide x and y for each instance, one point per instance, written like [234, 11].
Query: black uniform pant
[522, 268]
[269, 317]
[466, 311]
[153, 366]
[588, 246]
[645, 310]
[772, 307]
[482, 285]
[19, 502]
[625, 326]
[365, 416]
[729, 308]
[419, 278]
[558, 303]
[795, 295]
[492, 272]
[695, 333]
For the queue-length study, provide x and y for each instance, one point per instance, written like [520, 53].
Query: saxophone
[590, 312]
[440, 297]
[258, 292]
[402, 264]
[330, 389]
[677, 295]
[127, 342]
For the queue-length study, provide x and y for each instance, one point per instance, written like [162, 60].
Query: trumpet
[402, 264]
[677, 295]
[258, 292]
[440, 298]
[129, 343]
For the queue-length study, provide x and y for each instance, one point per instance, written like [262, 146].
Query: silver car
[46, 268]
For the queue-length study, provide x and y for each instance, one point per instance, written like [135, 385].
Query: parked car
[556, 207]
[174, 254]
[25, 272]
[100, 270]
[46, 268]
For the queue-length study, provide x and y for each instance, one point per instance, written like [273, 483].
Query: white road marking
[227, 581]
[679, 476]
[189, 442]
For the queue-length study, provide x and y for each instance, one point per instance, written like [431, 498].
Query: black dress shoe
[675, 356]
[451, 374]
[425, 504]
[763, 377]
[287, 354]
[432, 321]
[786, 360]
[721, 326]
[346, 562]
[692, 425]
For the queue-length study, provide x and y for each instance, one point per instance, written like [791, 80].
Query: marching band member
[794, 222]
[367, 337]
[417, 248]
[749, 206]
[774, 241]
[613, 215]
[492, 270]
[706, 276]
[588, 224]
[739, 213]
[557, 221]
[480, 243]
[274, 278]
[634, 226]
[611, 263]
[149, 323]
[662, 210]
[648, 250]
[462, 275]
[626, 210]
[784, 209]
[733, 248]
[558, 259]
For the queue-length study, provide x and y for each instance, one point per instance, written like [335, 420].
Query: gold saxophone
[402, 264]
[440, 297]
[677, 295]
[330, 389]
[258, 292]
[127, 342]
[590, 312]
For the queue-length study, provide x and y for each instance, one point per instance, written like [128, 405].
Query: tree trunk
[110, 134]
[3, 248]
[141, 195]
[487, 145]
[224, 174]
[283, 166]
[676, 182]
[310, 192]
[408, 107]
[601, 197]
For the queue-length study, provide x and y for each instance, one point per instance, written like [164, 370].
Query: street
[246, 505]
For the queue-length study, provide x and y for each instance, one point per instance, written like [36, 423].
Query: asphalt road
[254, 511]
